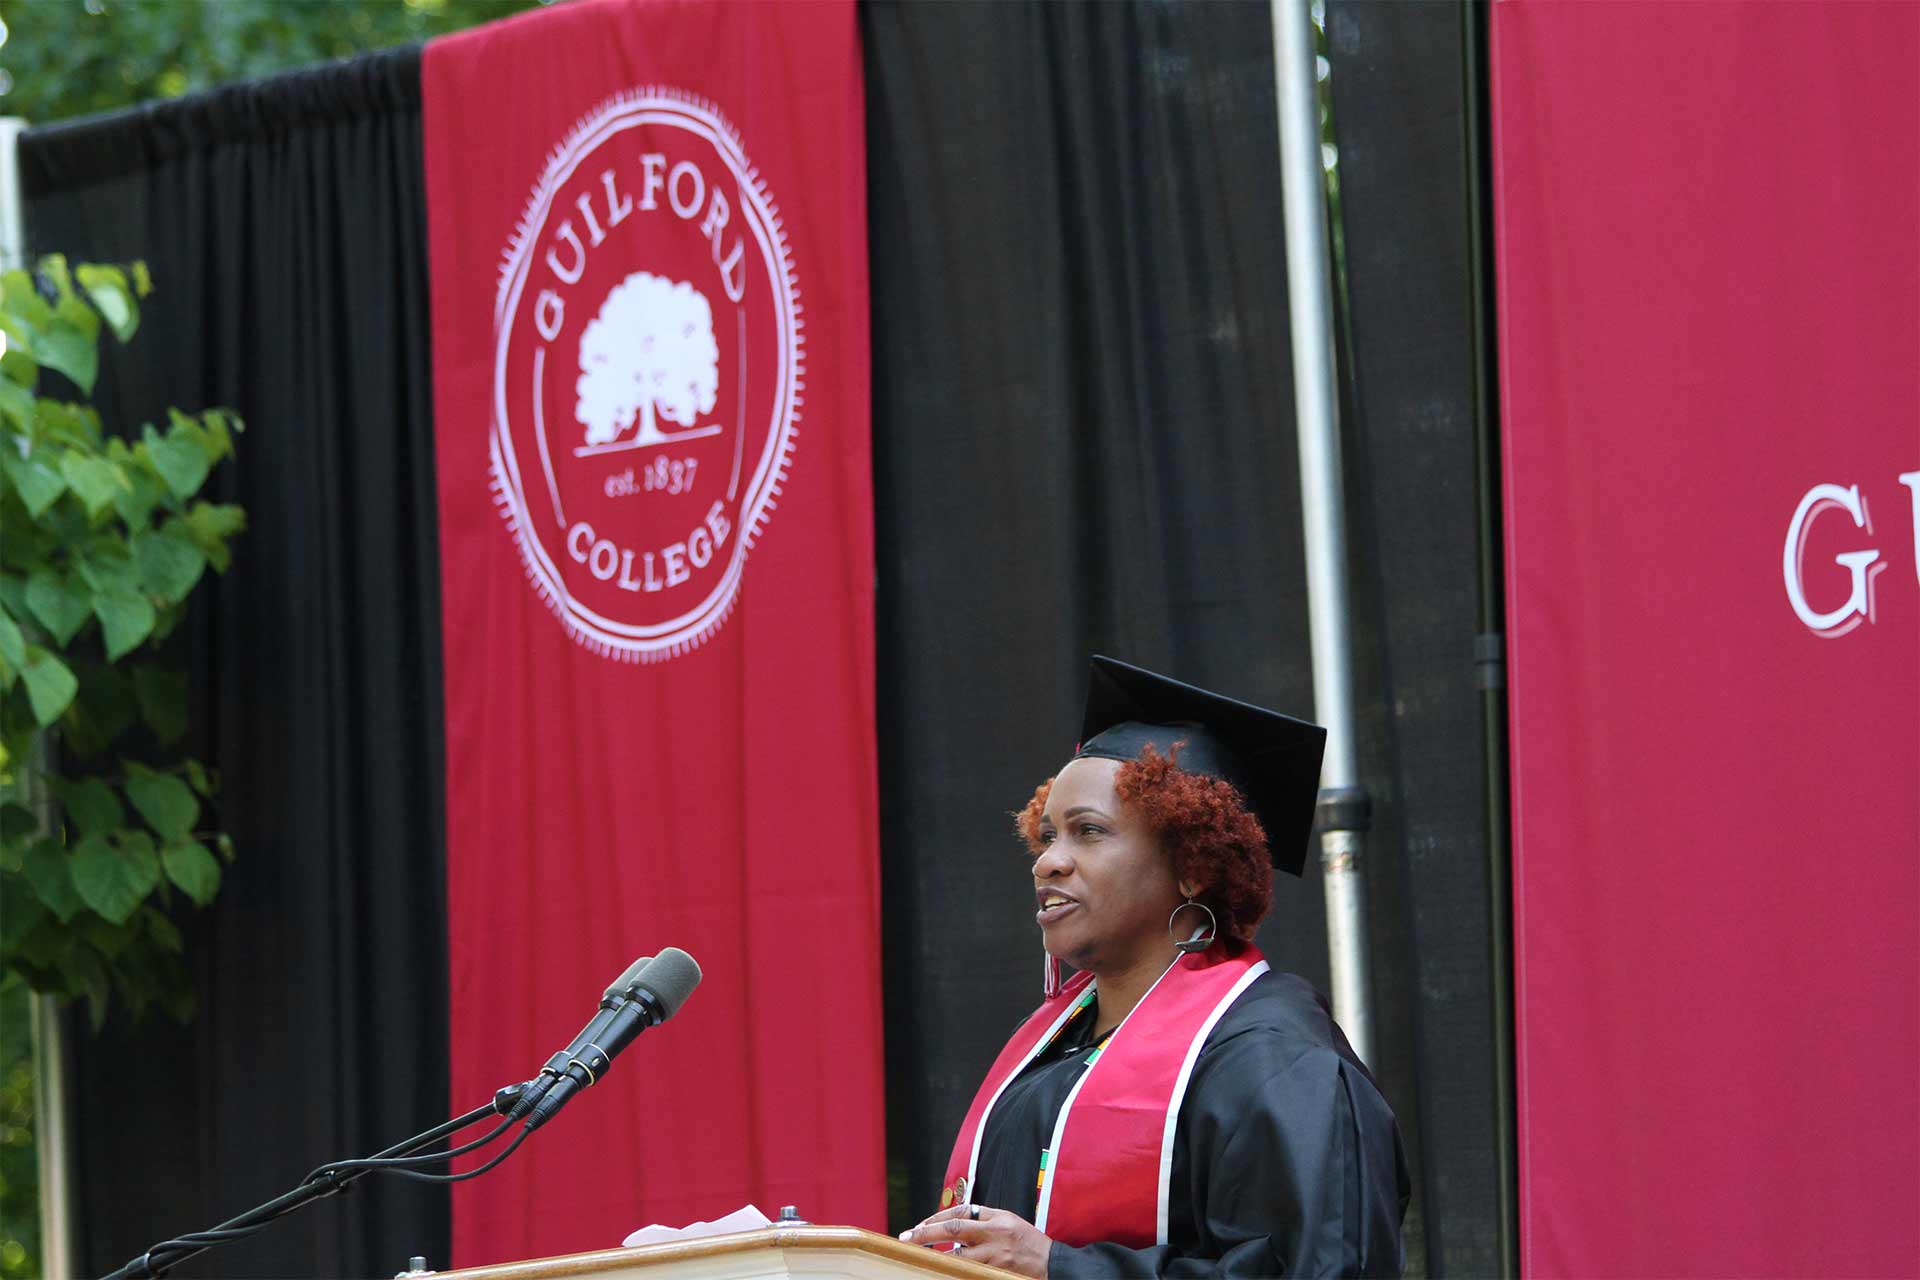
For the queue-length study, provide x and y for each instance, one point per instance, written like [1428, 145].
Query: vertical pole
[1490, 644]
[1341, 817]
[51, 1108]
[50, 1048]
[13, 227]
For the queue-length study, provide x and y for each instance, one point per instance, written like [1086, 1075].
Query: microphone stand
[147, 1266]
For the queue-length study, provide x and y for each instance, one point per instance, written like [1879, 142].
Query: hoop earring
[1201, 938]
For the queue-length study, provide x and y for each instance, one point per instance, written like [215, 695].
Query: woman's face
[1103, 885]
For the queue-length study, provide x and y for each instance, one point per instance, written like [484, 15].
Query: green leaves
[13, 650]
[112, 295]
[193, 869]
[144, 491]
[20, 913]
[58, 603]
[50, 684]
[91, 805]
[103, 710]
[114, 879]
[95, 481]
[106, 538]
[167, 803]
[17, 822]
[162, 697]
[170, 563]
[70, 351]
[183, 456]
[130, 583]
[58, 335]
[126, 617]
[38, 482]
[16, 403]
[47, 870]
[78, 914]
[106, 564]
[165, 934]
[210, 525]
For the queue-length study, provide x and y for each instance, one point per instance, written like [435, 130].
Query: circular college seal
[647, 365]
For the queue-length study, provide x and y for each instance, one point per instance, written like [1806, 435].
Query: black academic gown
[1286, 1161]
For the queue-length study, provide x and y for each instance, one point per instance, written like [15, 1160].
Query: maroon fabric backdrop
[648, 242]
[1710, 308]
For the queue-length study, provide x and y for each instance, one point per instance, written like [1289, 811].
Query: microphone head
[626, 979]
[671, 976]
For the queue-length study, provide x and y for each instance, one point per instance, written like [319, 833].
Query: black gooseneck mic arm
[649, 993]
[168, 1254]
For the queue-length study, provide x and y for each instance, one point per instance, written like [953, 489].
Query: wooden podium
[768, 1254]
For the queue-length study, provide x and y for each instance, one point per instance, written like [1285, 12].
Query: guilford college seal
[647, 371]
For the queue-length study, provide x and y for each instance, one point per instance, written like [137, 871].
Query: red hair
[1204, 826]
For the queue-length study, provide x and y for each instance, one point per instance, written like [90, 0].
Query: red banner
[1709, 279]
[648, 243]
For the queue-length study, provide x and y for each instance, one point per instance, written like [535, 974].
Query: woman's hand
[993, 1236]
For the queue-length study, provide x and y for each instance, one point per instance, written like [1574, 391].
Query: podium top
[776, 1251]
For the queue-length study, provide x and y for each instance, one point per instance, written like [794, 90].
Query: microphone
[662, 987]
[611, 1002]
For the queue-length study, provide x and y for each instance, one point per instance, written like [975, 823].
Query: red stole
[1111, 1155]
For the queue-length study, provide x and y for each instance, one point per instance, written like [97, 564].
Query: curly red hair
[1204, 826]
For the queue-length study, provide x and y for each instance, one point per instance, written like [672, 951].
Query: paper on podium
[745, 1218]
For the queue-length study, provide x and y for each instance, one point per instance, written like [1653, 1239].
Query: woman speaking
[1175, 1108]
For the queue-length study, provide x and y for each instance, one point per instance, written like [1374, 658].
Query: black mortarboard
[1273, 760]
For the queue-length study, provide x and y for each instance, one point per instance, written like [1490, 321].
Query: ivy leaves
[105, 539]
[107, 863]
[130, 554]
[58, 602]
[114, 877]
[86, 905]
[49, 682]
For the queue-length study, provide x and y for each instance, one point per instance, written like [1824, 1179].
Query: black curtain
[1083, 442]
[285, 228]
[1399, 80]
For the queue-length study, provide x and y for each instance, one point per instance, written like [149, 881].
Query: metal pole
[1343, 804]
[51, 1052]
[13, 227]
[52, 1068]
[1490, 642]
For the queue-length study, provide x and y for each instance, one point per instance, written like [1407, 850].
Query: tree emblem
[649, 354]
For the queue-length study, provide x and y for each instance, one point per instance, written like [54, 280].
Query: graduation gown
[1286, 1159]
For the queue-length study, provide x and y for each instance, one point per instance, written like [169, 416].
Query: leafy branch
[104, 541]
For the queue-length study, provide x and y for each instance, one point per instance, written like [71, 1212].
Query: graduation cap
[1271, 759]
